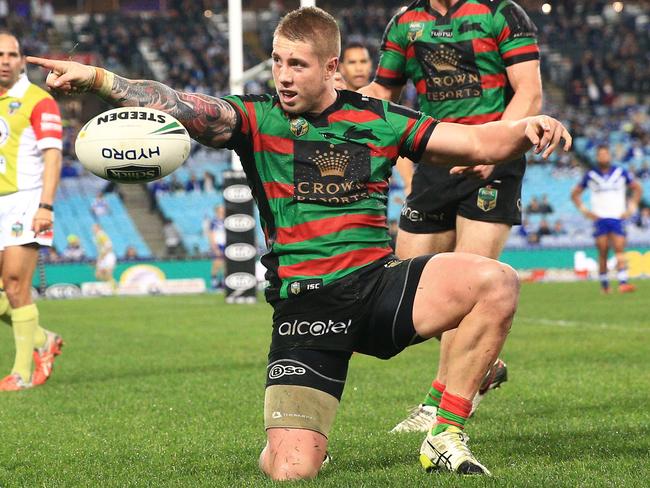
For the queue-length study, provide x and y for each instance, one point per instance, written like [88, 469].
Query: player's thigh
[451, 285]
[602, 244]
[618, 243]
[486, 215]
[483, 238]
[410, 245]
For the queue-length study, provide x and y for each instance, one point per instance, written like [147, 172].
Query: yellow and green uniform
[29, 123]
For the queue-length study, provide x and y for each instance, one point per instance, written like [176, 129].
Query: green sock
[24, 321]
[435, 394]
[453, 411]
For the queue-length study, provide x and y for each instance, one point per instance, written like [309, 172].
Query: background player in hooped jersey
[30, 163]
[320, 181]
[471, 61]
[610, 207]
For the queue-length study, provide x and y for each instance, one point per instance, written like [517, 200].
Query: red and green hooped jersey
[321, 183]
[458, 61]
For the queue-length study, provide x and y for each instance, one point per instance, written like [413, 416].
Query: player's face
[12, 62]
[603, 157]
[356, 67]
[303, 81]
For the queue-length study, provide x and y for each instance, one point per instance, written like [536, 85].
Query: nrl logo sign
[299, 127]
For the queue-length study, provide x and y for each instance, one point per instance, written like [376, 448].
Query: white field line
[633, 326]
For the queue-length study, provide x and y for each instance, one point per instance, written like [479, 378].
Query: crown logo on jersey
[332, 162]
[443, 59]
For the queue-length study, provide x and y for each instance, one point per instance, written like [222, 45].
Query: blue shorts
[608, 226]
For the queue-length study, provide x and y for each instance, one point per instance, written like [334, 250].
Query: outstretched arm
[494, 142]
[209, 120]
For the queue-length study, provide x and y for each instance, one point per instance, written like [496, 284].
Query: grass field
[168, 391]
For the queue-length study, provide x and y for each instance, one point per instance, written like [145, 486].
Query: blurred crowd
[595, 60]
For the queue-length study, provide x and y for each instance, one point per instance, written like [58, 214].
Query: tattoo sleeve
[209, 120]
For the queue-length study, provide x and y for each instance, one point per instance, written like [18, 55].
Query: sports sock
[453, 410]
[622, 276]
[40, 336]
[24, 321]
[435, 394]
[604, 282]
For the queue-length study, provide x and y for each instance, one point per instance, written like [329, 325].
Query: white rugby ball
[132, 144]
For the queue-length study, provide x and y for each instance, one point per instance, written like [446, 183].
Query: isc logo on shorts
[280, 370]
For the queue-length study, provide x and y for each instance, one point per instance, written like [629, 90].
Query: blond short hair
[314, 26]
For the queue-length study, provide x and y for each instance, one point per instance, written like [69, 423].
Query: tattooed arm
[209, 120]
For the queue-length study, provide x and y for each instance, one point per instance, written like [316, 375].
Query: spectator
[176, 186]
[533, 206]
[193, 184]
[644, 171]
[544, 229]
[73, 250]
[100, 206]
[131, 254]
[209, 184]
[69, 169]
[544, 206]
[172, 238]
[558, 228]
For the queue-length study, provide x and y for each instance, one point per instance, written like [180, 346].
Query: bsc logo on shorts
[17, 229]
[280, 370]
[487, 198]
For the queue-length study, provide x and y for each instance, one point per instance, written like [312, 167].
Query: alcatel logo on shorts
[316, 329]
[280, 370]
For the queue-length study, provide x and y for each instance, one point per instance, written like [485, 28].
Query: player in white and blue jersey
[217, 239]
[610, 207]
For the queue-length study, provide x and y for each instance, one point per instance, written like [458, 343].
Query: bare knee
[500, 288]
[16, 291]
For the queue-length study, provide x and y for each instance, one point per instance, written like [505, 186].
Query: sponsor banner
[163, 287]
[239, 223]
[240, 251]
[62, 291]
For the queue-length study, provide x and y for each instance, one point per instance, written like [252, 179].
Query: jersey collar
[19, 88]
[449, 13]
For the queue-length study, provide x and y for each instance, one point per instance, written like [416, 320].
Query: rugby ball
[132, 145]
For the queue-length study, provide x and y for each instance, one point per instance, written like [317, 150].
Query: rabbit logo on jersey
[316, 328]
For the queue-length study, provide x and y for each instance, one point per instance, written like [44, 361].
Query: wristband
[46, 206]
[103, 82]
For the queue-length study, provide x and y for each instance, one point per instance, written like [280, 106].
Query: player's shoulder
[362, 102]
[406, 13]
[496, 5]
[262, 99]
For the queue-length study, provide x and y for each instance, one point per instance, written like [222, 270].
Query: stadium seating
[74, 216]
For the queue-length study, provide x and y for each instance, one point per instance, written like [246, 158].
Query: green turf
[162, 391]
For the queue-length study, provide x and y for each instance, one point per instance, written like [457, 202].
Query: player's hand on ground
[66, 76]
[546, 134]
[42, 221]
[339, 82]
[481, 171]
